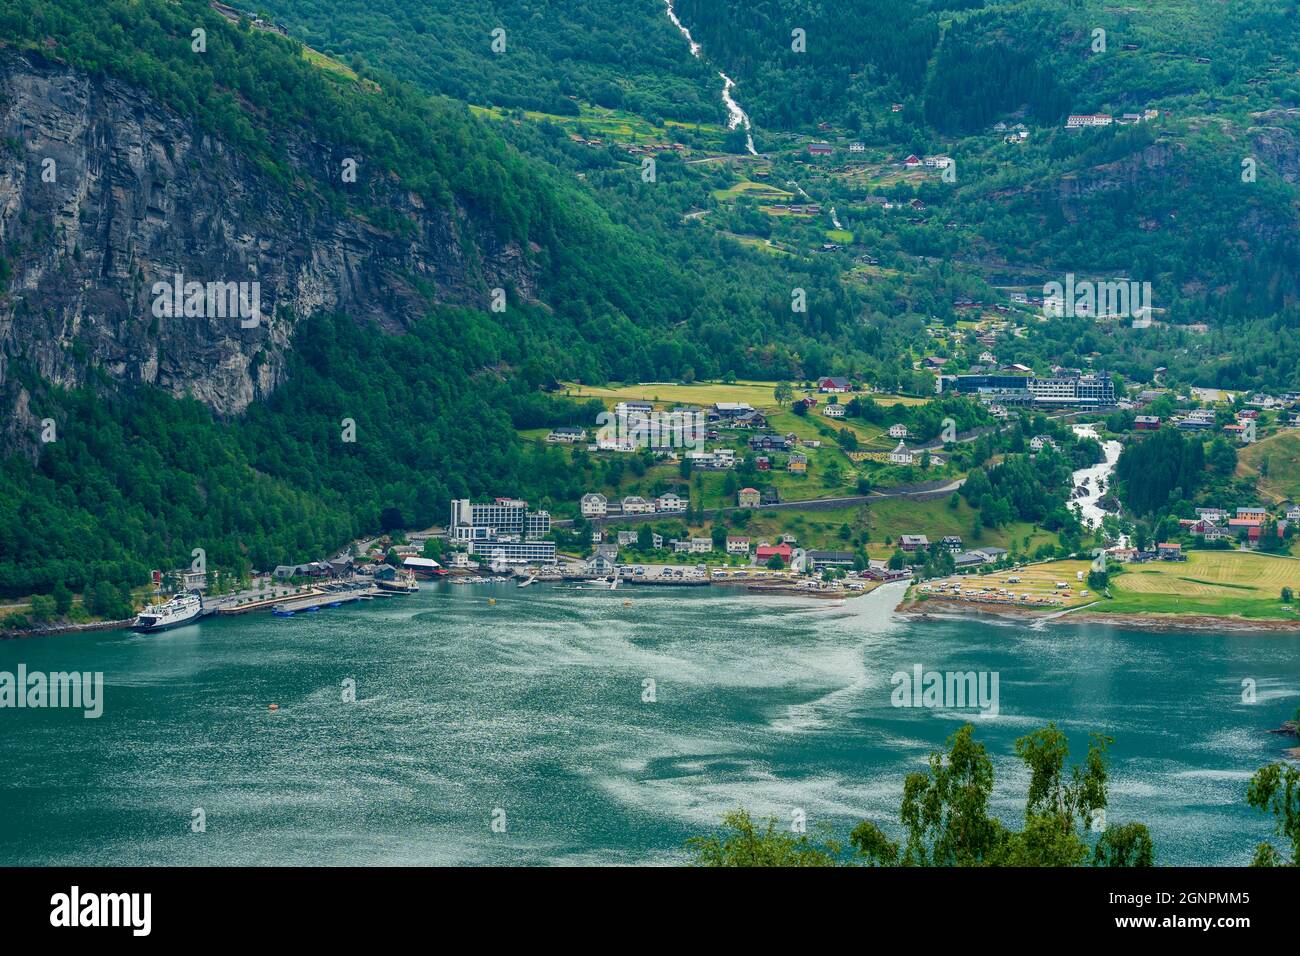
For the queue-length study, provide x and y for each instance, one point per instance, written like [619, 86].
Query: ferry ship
[182, 609]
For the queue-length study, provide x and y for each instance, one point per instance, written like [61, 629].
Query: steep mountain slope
[377, 382]
[550, 53]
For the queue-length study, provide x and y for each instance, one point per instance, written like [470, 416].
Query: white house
[670, 502]
[636, 505]
[833, 411]
[701, 545]
[1038, 442]
[901, 455]
[594, 505]
[897, 431]
[737, 545]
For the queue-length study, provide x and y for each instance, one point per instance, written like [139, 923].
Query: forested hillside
[136, 479]
[551, 54]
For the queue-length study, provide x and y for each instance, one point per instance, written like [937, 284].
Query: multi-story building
[503, 515]
[515, 552]
[1093, 389]
[594, 505]
[537, 525]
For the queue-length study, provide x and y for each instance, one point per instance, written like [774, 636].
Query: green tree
[742, 843]
[1275, 789]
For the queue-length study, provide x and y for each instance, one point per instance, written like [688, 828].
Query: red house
[1147, 423]
[766, 552]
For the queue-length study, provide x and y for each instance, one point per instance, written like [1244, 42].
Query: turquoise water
[534, 706]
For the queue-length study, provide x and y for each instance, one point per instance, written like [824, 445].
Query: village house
[952, 542]
[1169, 551]
[594, 505]
[626, 538]
[829, 559]
[913, 162]
[820, 149]
[748, 498]
[1147, 423]
[763, 463]
[902, 455]
[701, 545]
[897, 431]
[1039, 442]
[797, 464]
[1253, 513]
[1217, 515]
[833, 411]
[567, 434]
[766, 552]
[671, 502]
[636, 505]
[913, 542]
[737, 544]
[832, 383]
[769, 442]
[1081, 120]
[857, 147]
[728, 410]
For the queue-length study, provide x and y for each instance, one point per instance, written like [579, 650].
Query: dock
[314, 602]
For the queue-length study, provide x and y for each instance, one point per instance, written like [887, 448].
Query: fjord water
[534, 705]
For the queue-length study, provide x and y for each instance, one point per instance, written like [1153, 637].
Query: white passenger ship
[182, 609]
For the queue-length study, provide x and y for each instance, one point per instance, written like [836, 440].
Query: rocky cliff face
[104, 193]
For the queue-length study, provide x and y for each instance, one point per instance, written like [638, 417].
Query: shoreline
[956, 610]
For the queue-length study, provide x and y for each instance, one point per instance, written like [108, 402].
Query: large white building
[594, 505]
[515, 552]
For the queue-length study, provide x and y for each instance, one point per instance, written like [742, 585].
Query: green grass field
[613, 125]
[759, 394]
[1279, 455]
[1234, 583]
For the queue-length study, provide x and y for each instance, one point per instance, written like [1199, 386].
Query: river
[735, 115]
[534, 706]
[1096, 478]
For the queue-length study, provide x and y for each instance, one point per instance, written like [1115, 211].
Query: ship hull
[156, 628]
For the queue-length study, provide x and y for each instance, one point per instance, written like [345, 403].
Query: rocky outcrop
[105, 192]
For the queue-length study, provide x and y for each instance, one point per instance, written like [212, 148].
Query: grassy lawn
[1282, 454]
[757, 394]
[1244, 584]
[752, 189]
[611, 124]
[328, 63]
